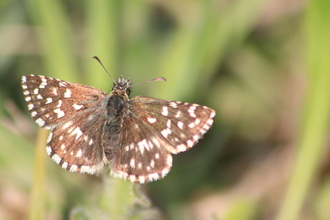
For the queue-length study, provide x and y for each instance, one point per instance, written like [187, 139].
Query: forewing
[52, 101]
[180, 125]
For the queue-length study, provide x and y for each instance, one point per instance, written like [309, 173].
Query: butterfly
[134, 136]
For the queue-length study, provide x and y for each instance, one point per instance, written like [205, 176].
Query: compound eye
[128, 91]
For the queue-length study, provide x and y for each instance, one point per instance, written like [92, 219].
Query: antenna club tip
[162, 79]
[96, 58]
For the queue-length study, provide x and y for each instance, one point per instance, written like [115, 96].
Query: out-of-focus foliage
[262, 65]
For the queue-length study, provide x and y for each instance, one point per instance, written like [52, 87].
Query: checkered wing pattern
[53, 101]
[76, 144]
[73, 112]
[136, 137]
[153, 130]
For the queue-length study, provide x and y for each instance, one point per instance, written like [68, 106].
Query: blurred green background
[264, 66]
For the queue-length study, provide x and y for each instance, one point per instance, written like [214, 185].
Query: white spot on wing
[132, 162]
[59, 113]
[191, 110]
[190, 143]
[144, 145]
[43, 83]
[141, 146]
[62, 84]
[180, 125]
[149, 145]
[66, 125]
[59, 104]
[30, 106]
[73, 168]
[191, 125]
[152, 163]
[156, 142]
[169, 160]
[165, 172]
[56, 158]
[165, 111]
[132, 178]
[65, 165]
[67, 93]
[50, 136]
[168, 123]
[48, 150]
[166, 132]
[49, 100]
[85, 169]
[54, 91]
[40, 122]
[153, 176]
[151, 120]
[47, 127]
[181, 147]
[177, 115]
[79, 153]
[212, 114]
[196, 137]
[142, 179]
[77, 132]
[77, 107]
[173, 104]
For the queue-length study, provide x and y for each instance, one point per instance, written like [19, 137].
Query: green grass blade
[53, 30]
[103, 26]
[37, 198]
[317, 109]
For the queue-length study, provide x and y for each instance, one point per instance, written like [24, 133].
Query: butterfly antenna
[152, 80]
[100, 62]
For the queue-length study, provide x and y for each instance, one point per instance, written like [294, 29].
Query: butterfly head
[122, 85]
